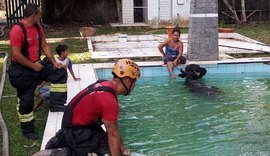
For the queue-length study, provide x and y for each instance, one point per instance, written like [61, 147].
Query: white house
[155, 12]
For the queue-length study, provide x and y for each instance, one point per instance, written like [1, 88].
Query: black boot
[28, 130]
[56, 141]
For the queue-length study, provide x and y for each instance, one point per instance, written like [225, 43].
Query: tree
[231, 6]
[87, 11]
[243, 11]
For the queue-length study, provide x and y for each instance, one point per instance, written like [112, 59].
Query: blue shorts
[45, 92]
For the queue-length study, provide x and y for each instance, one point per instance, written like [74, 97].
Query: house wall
[179, 7]
[127, 11]
[179, 10]
[153, 6]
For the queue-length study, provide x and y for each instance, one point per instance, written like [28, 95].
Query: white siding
[165, 10]
[153, 9]
[183, 8]
[127, 12]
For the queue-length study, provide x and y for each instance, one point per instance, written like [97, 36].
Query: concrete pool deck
[132, 46]
[143, 46]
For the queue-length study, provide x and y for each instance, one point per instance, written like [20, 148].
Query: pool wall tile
[165, 71]
[260, 67]
[221, 69]
[266, 67]
[153, 71]
[249, 68]
[212, 69]
[157, 71]
[240, 68]
[231, 68]
[147, 72]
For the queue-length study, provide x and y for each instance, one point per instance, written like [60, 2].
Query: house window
[140, 11]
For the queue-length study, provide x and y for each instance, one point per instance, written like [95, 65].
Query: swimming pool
[162, 117]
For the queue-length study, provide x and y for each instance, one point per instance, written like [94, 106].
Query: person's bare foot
[173, 76]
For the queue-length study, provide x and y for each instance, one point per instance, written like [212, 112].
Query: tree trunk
[119, 10]
[232, 10]
[67, 9]
[243, 11]
[70, 8]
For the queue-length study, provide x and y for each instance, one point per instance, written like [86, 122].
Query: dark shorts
[168, 58]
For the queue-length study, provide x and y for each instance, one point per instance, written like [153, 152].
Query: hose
[2, 122]
[2, 30]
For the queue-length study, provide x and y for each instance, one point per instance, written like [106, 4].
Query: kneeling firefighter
[81, 132]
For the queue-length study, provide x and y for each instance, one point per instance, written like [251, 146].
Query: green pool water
[162, 117]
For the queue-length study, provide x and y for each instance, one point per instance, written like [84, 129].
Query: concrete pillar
[203, 31]
[127, 11]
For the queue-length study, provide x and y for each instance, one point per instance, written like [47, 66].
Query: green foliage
[18, 145]
[221, 24]
[4, 46]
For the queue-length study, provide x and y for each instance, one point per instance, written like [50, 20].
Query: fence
[14, 10]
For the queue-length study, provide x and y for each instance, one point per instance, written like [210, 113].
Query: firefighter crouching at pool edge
[26, 70]
[81, 132]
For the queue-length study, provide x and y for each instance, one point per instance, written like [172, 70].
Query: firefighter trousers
[81, 140]
[25, 80]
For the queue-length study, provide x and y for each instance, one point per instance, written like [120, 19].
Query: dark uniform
[81, 130]
[25, 79]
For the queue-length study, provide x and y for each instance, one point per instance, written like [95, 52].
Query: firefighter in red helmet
[81, 132]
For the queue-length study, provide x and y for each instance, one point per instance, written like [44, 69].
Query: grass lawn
[259, 32]
[19, 146]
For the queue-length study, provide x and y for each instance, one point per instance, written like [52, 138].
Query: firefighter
[27, 40]
[81, 132]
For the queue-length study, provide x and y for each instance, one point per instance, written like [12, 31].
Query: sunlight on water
[162, 117]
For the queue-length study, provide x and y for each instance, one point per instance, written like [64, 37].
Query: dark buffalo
[192, 73]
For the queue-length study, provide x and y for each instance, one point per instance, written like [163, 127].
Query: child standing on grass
[62, 51]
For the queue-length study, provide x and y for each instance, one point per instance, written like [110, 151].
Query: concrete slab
[228, 43]
[129, 25]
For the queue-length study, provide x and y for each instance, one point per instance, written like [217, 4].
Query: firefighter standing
[81, 132]
[27, 40]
